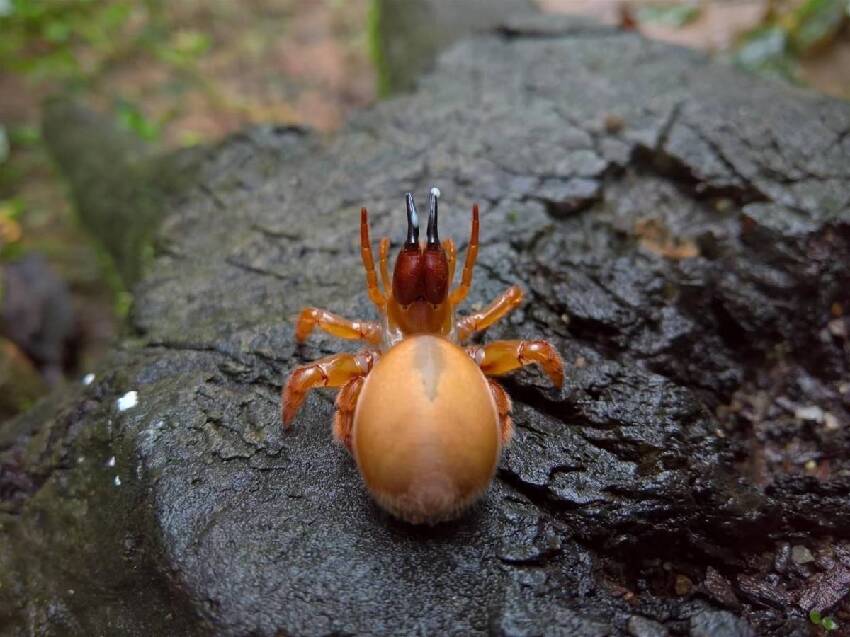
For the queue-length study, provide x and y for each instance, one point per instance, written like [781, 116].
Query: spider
[425, 424]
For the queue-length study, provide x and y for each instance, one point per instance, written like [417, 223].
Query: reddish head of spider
[421, 272]
[420, 282]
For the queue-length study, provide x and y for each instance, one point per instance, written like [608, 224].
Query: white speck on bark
[128, 400]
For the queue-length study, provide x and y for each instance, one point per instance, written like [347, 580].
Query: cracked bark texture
[641, 499]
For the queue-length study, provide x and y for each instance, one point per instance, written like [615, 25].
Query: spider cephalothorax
[419, 301]
[424, 423]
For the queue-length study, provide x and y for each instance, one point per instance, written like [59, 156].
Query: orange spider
[425, 425]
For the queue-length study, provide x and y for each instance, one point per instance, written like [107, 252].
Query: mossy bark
[119, 184]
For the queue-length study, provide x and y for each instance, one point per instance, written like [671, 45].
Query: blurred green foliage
[815, 23]
[70, 46]
[10, 229]
[376, 54]
[73, 47]
[73, 44]
[133, 119]
[765, 51]
[12, 207]
[68, 41]
[774, 48]
[673, 15]
[827, 623]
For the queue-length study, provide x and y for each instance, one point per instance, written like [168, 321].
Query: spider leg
[331, 371]
[504, 407]
[460, 292]
[498, 309]
[346, 401]
[501, 357]
[375, 295]
[383, 256]
[451, 257]
[312, 317]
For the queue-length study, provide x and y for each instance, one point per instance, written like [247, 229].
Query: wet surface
[649, 496]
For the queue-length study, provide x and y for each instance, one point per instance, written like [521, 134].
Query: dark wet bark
[682, 232]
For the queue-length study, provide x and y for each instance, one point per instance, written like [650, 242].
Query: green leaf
[11, 209]
[56, 31]
[193, 43]
[25, 135]
[115, 15]
[58, 65]
[134, 120]
[816, 22]
[190, 138]
[829, 623]
[765, 51]
[674, 15]
[814, 617]
[184, 47]
[28, 9]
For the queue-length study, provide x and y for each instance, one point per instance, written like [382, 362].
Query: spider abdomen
[426, 430]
